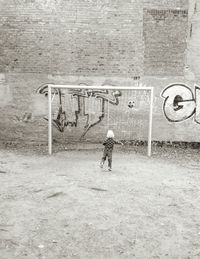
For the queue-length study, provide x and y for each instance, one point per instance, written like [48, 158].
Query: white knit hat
[110, 134]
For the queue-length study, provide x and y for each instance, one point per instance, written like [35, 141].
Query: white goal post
[105, 87]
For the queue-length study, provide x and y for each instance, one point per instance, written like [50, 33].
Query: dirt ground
[65, 206]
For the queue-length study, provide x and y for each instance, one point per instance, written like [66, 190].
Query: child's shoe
[109, 169]
[101, 165]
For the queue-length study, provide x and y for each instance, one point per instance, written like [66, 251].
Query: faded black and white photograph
[100, 129]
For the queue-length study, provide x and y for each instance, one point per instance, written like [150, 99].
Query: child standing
[108, 148]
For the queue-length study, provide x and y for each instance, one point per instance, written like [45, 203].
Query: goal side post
[49, 120]
[150, 122]
[50, 99]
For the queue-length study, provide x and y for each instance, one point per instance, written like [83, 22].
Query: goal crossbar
[105, 87]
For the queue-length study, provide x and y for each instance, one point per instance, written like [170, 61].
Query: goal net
[86, 113]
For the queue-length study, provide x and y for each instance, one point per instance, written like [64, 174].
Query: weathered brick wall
[166, 4]
[193, 42]
[164, 44]
[94, 42]
[18, 121]
[86, 38]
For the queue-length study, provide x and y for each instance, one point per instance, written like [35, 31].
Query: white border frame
[51, 86]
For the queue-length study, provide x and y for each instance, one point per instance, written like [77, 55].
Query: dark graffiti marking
[43, 89]
[180, 103]
[60, 120]
[100, 97]
[26, 117]
[80, 102]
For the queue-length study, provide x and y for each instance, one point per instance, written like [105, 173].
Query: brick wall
[193, 42]
[165, 44]
[88, 38]
[20, 122]
[166, 4]
[92, 42]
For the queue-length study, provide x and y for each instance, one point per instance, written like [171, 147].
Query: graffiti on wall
[74, 103]
[181, 102]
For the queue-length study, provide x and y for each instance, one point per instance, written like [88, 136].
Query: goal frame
[105, 87]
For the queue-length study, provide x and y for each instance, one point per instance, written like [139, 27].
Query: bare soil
[65, 206]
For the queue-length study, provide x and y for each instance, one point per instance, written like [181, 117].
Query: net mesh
[88, 114]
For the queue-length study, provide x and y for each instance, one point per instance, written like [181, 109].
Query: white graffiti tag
[180, 103]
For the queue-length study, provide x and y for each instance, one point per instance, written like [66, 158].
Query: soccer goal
[99, 104]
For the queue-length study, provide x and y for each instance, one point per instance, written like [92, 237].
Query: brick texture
[193, 49]
[86, 38]
[165, 34]
[92, 42]
[166, 4]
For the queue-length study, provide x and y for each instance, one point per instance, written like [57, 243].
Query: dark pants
[107, 154]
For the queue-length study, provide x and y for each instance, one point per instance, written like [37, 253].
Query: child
[108, 148]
